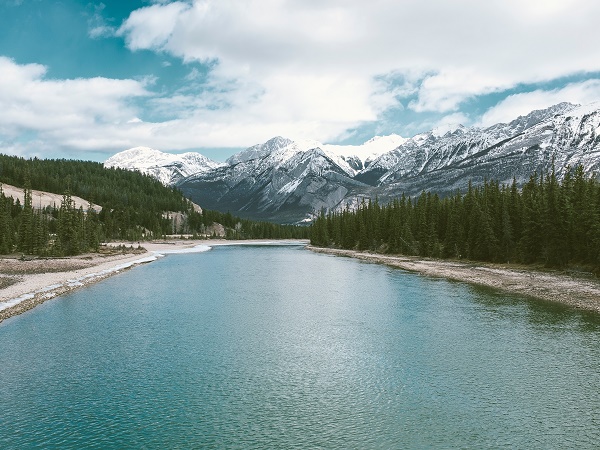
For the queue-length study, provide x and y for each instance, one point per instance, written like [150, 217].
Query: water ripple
[280, 348]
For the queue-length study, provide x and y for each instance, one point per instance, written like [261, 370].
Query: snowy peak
[541, 115]
[350, 158]
[523, 123]
[557, 131]
[446, 129]
[166, 167]
[277, 151]
[368, 151]
[259, 151]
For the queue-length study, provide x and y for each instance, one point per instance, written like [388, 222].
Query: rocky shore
[569, 289]
[26, 283]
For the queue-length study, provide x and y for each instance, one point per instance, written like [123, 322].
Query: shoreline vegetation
[27, 283]
[571, 289]
[551, 222]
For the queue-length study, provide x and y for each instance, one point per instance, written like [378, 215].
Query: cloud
[152, 26]
[101, 31]
[522, 104]
[41, 115]
[61, 111]
[450, 123]
[307, 69]
[193, 75]
[453, 51]
[97, 25]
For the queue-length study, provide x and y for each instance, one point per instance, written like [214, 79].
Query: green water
[277, 347]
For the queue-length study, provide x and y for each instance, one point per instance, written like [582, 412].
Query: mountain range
[290, 181]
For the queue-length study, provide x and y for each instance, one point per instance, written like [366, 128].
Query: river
[278, 347]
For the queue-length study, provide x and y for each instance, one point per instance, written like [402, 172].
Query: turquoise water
[277, 347]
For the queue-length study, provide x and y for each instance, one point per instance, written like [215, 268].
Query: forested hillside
[134, 207]
[546, 222]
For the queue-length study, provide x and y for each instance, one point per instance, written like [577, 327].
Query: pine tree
[506, 241]
[26, 223]
[6, 239]
[555, 249]
[531, 236]
[68, 227]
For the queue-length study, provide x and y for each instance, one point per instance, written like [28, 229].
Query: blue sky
[87, 79]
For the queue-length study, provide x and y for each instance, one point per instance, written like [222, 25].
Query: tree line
[52, 231]
[134, 207]
[548, 221]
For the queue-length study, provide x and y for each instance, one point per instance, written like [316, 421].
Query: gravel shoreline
[29, 287]
[27, 284]
[577, 292]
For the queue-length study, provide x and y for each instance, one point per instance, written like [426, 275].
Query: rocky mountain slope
[289, 181]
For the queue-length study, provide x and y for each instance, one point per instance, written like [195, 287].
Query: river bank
[24, 284]
[578, 292]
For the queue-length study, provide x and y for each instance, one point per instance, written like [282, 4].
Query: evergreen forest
[547, 222]
[134, 207]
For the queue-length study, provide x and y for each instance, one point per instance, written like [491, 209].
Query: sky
[87, 79]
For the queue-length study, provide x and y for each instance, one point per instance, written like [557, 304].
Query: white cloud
[453, 51]
[522, 104]
[152, 26]
[101, 31]
[308, 69]
[57, 109]
[446, 90]
[193, 75]
[39, 115]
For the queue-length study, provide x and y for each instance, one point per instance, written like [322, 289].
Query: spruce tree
[26, 222]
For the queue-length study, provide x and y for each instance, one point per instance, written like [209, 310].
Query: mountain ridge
[291, 181]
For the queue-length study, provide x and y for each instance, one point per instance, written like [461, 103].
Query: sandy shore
[26, 284]
[575, 291]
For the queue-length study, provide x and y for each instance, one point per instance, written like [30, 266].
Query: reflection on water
[263, 347]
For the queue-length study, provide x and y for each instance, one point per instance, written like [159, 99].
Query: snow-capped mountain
[360, 156]
[290, 181]
[565, 134]
[167, 168]
[429, 152]
[281, 177]
[274, 180]
[351, 158]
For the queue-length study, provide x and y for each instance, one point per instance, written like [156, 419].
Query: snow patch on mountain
[165, 167]
[369, 150]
